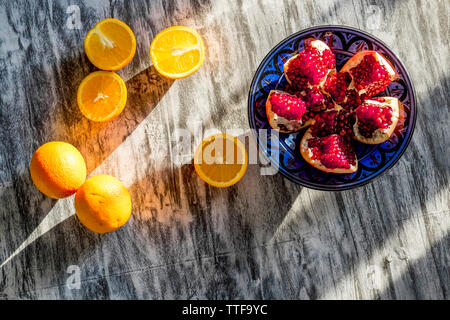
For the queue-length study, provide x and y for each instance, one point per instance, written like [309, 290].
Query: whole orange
[103, 204]
[57, 169]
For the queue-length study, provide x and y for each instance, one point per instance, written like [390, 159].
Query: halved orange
[110, 45]
[177, 52]
[101, 96]
[221, 160]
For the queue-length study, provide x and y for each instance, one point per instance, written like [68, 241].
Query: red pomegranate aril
[314, 99]
[353, 100]
[379, 99]
[344, 124]
[333, 122]
[324, 124]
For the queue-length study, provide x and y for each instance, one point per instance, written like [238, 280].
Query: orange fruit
[57, 169]
[110, 45]
[177, 52]
[221, 160]
[103, 204]
[101, 96]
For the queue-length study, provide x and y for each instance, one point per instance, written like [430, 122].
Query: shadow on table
[97, 140]
[178, 204]
[395, 198]
[414, 278]
[64, 122]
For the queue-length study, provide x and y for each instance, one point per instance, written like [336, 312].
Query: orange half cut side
[177, 52]
[110, 45]
[221, 160]
[102, 96]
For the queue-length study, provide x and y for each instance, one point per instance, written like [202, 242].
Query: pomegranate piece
[372, 117]
[286, 112]
[376, 120]
[336, 153]
[287, 106]
[370, 72]
[331, 153]
[316, 100]
[327, 146]
[311, 66]
[336, 85]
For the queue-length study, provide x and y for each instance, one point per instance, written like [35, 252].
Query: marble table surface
[264, 238]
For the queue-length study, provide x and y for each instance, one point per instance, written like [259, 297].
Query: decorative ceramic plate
[284, 155]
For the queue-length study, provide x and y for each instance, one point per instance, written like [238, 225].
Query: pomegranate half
[376, 119]
[286, 112]
[330, 153]
[370, 72]
[325, 145]
[309, 68]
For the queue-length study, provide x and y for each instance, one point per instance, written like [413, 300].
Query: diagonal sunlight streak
[125, 170]
[293, 215]
[62, 210]
[389, 261]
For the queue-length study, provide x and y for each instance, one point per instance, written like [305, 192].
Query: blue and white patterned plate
[373, 159]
